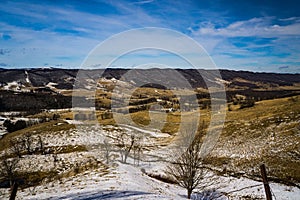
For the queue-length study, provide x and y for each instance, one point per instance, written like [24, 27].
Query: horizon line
[128, 68]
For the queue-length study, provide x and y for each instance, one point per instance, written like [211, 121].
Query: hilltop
[52, 87]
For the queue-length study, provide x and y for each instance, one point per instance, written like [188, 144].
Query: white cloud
[163, 41]
[55, 39]
[142, 2]
[64, 30]
[260, 44]
[34, 48]
[261, 27]
[296, 19]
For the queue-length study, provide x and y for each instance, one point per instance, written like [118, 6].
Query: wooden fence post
[14, 190]
[265, 181]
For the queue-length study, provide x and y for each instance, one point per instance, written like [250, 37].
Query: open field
[266, 133]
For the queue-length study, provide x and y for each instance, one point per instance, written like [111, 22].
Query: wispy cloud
[143, 2]
[254, 43]
[63, 33]
[67, 33]
[295, 19]
[261, 27]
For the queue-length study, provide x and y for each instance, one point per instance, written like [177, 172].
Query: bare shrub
[8, 169]
[107, 149]
[125, 144]
[17, 147]
[28, 143]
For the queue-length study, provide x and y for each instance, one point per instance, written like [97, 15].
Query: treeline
[33, 102]
[261, 95]
[15, 125]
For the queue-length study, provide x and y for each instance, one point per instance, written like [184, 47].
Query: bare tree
[55, 159]
[137, 150]
[17, 147]
[125, 145]
[129, 147]
[187, 169]
[121, 145]
[8, 169]
[27, 142]
[41, 145]
[107, 149]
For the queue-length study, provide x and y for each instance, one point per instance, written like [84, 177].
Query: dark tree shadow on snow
[106, 194]
[207, 195]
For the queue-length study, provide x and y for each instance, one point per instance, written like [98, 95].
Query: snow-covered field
[128, 182]
[124, 181]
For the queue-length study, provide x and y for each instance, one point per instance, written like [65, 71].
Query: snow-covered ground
[124, 181]
[2, 131]
[128, 182]
[16, 86]
[2, 128]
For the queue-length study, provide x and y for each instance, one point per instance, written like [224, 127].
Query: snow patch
[27, 77]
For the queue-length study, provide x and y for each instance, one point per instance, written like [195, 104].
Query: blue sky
[254, 35]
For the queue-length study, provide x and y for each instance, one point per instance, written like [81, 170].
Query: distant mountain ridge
[64, 78]
[45, 88]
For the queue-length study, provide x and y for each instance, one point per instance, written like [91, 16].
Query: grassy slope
[267, 133]
[42, 128]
